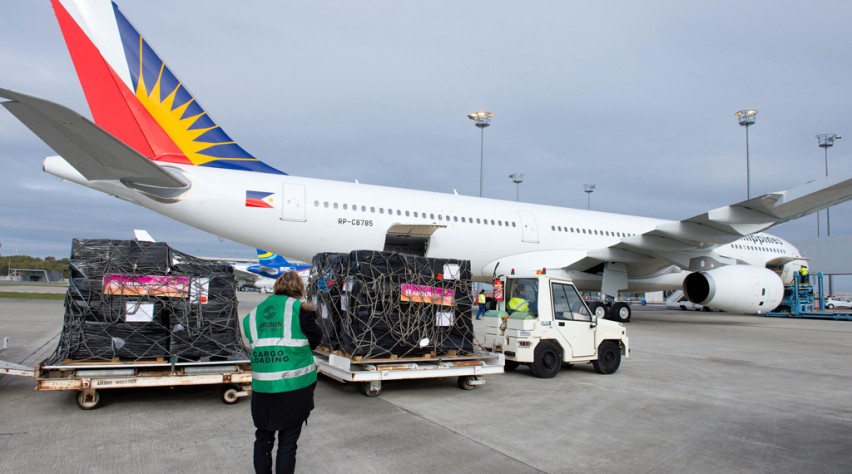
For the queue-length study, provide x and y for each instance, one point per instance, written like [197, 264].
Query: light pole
[746, 119]
[517, 178]
[826, 141]
[589, 189]
[481, 119]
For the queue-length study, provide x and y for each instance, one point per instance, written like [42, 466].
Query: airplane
[270, 266]
[152, 144]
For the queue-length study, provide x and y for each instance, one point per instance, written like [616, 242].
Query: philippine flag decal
[260, 199]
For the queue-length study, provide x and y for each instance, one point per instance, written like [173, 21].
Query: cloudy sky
[635, 97]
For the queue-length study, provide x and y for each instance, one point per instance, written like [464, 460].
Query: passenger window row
[578, 230]
[416, 214]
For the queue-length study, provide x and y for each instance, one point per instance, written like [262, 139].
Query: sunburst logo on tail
[200, 140]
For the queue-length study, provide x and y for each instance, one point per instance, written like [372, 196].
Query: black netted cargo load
[134, 300]
[375, 304]
[94, 257]
[107, 341]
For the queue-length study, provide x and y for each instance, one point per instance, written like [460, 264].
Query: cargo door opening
[409, 239]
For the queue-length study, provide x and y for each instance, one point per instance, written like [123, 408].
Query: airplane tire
[621, 312]
[598, 309]
[609, 358]
[547, 360]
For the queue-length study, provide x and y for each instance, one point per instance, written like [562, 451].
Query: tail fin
[134, 96]
[269, 259]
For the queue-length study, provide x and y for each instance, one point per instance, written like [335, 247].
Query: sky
[637, 98]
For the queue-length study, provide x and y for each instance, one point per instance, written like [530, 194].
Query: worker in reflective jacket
[282, 332]
[803, 273]
[518, 303]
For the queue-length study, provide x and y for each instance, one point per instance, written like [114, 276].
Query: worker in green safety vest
[282, 332]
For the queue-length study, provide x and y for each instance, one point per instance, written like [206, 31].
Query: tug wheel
[609, 358]
[547, 360]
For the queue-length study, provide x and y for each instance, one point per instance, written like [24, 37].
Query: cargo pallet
[88, 378]
[371, 372]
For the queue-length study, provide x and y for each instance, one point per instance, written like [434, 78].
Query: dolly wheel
[465, 382]
[371, 389]
[229, 394]
[88, 399]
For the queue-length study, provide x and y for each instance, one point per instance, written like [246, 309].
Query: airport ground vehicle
[550, 327]
[89, 378]
[833, 302]
[800, 301]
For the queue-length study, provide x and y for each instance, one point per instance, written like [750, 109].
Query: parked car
[836, 302]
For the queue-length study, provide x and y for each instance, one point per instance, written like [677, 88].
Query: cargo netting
[386, 304]
[131, 300]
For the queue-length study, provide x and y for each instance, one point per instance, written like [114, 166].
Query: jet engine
[735, 288]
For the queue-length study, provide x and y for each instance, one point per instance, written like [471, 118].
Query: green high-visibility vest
[281, 358]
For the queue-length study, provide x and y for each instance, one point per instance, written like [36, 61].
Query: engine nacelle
[735, 288]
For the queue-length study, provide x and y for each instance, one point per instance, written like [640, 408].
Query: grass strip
[32, 296]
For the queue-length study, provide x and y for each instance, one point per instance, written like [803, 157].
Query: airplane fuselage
[307, 216]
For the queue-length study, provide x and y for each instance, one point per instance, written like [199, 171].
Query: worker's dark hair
[482, 291]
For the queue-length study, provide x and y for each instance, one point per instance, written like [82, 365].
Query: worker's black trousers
[285, 460]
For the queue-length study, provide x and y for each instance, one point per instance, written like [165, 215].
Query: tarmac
[700, 393]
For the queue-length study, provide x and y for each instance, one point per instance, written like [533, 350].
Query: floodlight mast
[482, 119]
[746, 119]
[517, 178]
[826, 141]
[589, 189]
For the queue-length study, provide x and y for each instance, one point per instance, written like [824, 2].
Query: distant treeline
[12, 262]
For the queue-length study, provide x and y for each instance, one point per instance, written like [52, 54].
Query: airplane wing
[92, 151]
[245, 274]
[678, 242]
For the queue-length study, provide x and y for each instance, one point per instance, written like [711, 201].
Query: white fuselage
[310, 216]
